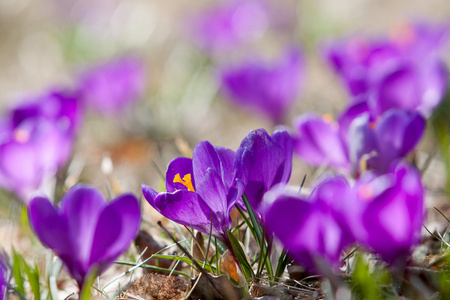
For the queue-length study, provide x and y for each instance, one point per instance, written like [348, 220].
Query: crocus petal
[269, 162]
[318, 142]
[400, 89]
[50, 226]
[397, 133]
[184, 207]
[393, 220]
[308, 228]
[117, 227]
[212, 191]
[81, 206]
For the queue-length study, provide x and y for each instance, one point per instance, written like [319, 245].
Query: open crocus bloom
[36, 140]
[86, 231]
[357, 138]
[404, 72]
[267, 89]
[267, 161]
[383, 213]
[201, 190]
[114, 85]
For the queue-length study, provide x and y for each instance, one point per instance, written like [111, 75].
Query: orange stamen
[186, 181]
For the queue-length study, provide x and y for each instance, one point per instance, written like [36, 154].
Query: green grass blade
[17, 272]
[240, 256]
[253, 219]
[33, 279]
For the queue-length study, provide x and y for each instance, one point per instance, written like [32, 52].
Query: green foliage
[22, 271]
[240, 256]
[368, 285]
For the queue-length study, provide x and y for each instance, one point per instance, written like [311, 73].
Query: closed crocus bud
[389, 212]
[269, 89]
[114, 85]
[267, 161]
[310, 227]
[86, 231]
[36, 141]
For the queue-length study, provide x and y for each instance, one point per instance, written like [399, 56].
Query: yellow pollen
[21, 136]
[186, 181]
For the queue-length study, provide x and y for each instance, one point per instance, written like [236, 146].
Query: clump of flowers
[381, 212]
[358, 140]
[404, 71]
[86, 232]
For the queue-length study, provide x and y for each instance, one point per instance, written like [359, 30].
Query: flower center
[186, 181]
[366, 192]
[22, 136]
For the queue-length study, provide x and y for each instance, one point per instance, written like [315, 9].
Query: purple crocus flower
[112, 86]
[267, 161]
[403, 72]
[86, 231]
[230, 24]
[5, 274]
[388, 212]
[200, 190]
[310, 227]
[268, 89]
[357, 137]
[36, 140]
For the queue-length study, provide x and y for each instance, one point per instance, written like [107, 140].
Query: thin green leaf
[254, 220]
[33, 279]
[17, 272]
[240, 256]
[283, 260]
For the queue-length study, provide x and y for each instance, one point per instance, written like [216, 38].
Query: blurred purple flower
[267, 161]
[86, 231]
[403, 72]
[389, 211]
[36, 140]
[200, 190]
[268, 89]
[357, 138]
[5, 275]
[310, 227]
[226, 26]
[112, 86]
